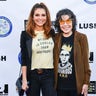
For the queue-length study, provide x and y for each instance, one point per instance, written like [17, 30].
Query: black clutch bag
[19, 84]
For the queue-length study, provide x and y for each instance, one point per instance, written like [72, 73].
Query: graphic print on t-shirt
[65, 67]
[42, 52]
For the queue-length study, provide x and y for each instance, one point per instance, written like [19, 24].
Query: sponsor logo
[19, 57]
[2, 58]
[92, 87]
[91, 57]
[25, 23]
[5, 26]
[87, 25]
[4, 90]
[90, 1]
[53, 25]
[3, 0]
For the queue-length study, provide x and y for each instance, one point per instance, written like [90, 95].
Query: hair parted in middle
[31, 25]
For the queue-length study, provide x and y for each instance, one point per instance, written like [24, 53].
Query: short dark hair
[71, 16]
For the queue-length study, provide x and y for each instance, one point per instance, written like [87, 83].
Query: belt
[62, 75]
[40, 71]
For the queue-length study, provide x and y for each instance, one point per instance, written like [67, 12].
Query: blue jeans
[43, 82]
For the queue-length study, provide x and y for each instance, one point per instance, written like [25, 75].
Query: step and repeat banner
[13, 16]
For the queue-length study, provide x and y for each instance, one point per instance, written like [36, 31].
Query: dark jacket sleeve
[23, 48]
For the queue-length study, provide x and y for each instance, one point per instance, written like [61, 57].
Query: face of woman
[39, 17]
[66, 25]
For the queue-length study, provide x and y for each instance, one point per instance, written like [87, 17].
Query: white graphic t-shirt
[42, 51]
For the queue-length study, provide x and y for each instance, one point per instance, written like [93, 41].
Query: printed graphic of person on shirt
[65, 67]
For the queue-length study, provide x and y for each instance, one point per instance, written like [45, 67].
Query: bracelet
[24, 81]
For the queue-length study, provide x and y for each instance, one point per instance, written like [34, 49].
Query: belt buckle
[39, 71]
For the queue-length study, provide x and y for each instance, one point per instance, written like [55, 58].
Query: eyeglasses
[66, 21]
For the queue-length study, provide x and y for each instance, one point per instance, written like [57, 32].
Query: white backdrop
[12, 16]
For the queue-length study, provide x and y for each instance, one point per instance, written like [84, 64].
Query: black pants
[67, 93]
[21, 93]
[44, 81]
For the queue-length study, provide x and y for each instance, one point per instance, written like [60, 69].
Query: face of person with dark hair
[66, 25]
[39, 18]
[64, 56]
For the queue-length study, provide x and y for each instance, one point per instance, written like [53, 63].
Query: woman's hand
[85, 89]
[24, 85]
